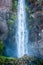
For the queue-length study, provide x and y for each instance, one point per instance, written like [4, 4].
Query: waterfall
[22, 33]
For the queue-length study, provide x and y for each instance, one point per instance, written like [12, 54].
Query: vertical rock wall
[6, 3]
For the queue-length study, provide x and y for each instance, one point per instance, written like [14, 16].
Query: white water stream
[22, 30]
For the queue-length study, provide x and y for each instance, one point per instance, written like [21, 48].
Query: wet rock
[3, 30]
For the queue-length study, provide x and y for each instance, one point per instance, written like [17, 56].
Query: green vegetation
[11, 19]
[21, 61]
[14, 5]
[33, 7]
[1, 47]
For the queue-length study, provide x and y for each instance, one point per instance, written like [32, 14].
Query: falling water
[22, 30]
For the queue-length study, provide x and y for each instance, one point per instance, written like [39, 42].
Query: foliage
[31, 8]
[14, 5]
[1, 47]
[11, 19]
[23, 61]
[11, 23]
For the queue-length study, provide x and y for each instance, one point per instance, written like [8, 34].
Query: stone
[3, 30]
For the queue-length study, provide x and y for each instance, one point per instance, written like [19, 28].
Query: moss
[7, 60]
[1, 47]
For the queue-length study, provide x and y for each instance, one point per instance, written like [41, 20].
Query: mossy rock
[23, 61]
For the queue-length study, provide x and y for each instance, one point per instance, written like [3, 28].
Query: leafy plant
[14, 5]
[1, 47]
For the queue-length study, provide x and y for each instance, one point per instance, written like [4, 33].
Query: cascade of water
[22, 30]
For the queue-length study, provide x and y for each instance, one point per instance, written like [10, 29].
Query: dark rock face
[4, 15]
[36, 34]
[5, 5]
[3, 30]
